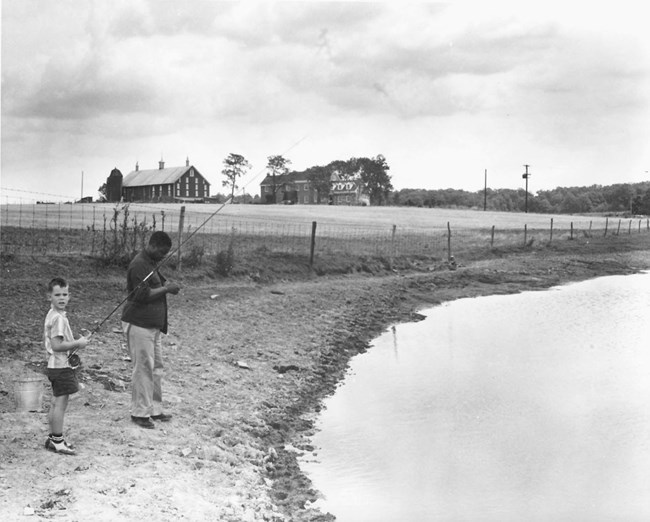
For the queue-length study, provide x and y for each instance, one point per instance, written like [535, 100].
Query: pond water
[534, 406]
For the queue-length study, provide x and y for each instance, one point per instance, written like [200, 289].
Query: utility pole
[485, 193]
[526, 175]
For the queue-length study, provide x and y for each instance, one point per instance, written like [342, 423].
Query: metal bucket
[29, 394]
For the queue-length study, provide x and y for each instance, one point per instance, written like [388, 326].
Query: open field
[83, 215]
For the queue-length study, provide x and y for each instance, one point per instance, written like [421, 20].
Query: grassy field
[83, 215]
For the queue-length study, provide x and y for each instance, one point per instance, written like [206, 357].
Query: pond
[534, 406]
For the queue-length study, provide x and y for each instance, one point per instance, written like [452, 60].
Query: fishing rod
[74, 359]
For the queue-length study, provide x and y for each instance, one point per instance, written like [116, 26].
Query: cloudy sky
[443, 91]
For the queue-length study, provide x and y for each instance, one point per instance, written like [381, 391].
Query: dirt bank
[248, 365]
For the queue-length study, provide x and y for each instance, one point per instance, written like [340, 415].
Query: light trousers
[145, 349]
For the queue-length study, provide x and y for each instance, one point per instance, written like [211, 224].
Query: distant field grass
[409, 218]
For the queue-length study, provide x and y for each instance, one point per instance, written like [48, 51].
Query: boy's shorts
[64, 381]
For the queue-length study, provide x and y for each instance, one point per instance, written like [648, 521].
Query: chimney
[187, 161]
[161, 165]
[137, 167]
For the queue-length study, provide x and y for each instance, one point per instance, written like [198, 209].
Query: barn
[184, 184]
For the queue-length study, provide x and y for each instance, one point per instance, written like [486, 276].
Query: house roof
[289, 177]
[139, 178]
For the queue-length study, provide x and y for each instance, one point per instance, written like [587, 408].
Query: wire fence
[97, 229]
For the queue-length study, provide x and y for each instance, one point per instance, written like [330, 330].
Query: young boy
[58, 340]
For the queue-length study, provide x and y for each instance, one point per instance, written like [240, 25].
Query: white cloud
[442, 90]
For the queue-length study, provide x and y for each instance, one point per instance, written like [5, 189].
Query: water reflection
[527, 407]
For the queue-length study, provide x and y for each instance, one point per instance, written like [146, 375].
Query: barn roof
[139, 178]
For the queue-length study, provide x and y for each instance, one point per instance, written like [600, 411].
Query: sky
[444, 91]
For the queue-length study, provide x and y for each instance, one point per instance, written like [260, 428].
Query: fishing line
[167, 258]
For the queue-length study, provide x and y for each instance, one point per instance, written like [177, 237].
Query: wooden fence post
[448, 242]
[525, 234]
[551, 238]
[629, 228]
[181, 219]
[606, 223]
[618, 230]
[313, 244]
[492, 237]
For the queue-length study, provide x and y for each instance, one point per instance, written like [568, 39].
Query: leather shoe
[163, 417]
[143, 422]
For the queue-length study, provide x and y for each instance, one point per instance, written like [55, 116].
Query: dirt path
[247, 367]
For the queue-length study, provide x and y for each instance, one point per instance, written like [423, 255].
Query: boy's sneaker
[59, 447]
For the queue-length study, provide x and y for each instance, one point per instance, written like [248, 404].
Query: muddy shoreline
[247, 368]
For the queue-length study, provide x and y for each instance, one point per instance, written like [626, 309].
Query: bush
[194, 257]
[225, 259]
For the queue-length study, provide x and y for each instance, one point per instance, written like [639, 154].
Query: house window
[191, 173]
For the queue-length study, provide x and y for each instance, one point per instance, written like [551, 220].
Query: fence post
[606, 223]
[492, 237]
[590, 223]
[181, 219]
[525, 234]
[58, 229]
[551, 238]
[313, 244]
[33, 227]
[618, 230]
[629, 228]
[448, 242]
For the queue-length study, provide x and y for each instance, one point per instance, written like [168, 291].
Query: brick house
[291, 188]
[296, 188]
[165, 184]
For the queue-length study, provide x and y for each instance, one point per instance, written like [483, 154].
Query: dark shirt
[140, 309]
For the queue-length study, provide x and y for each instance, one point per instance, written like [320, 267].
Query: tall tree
[374, 175]
[235, 166]
[277, 166]
[319, 178]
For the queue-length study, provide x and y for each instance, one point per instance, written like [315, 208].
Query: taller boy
[144, 320]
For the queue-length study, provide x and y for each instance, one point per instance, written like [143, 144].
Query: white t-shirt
[56, 325]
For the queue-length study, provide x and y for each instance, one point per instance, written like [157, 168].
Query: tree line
[632, 198]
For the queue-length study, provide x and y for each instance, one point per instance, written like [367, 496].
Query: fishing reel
[74, 361]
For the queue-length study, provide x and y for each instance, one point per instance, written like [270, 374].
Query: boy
[58, 341]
